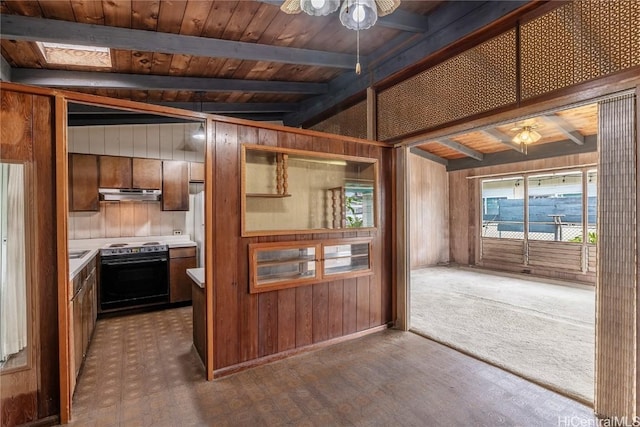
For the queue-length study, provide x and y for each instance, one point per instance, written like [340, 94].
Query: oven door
[133, 282]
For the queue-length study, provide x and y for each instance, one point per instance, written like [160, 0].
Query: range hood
[131, 195]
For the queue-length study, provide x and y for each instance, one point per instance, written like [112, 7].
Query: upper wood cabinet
[175, 185]
[147, 174]
[115, 172]
[196, 172]
[83, 182]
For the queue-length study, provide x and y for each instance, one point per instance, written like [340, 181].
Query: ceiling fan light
[319, 7]
[358, 14]
[527, 136]
[535, 136]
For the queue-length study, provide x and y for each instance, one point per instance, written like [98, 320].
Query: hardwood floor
[141, 370]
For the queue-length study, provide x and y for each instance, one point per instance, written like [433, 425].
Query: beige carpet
[541, 331]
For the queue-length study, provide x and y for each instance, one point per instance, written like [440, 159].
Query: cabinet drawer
[182, 252]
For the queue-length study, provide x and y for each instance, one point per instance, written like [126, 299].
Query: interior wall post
[401, 241]
[372, 114]
[617, 282]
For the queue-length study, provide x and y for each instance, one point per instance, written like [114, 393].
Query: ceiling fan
[526, 133]
[354, 14]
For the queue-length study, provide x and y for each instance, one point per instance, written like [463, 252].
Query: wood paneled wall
[429, 212]
[27, 137]
[464, 202]
[251, 326]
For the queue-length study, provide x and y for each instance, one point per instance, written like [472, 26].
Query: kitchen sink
[77, 254]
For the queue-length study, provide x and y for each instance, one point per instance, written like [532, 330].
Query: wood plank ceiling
[209, 54]
[577, 126]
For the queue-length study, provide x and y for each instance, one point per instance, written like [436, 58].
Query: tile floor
[141, 370]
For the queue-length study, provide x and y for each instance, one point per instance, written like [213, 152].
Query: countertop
[94, 245]
[197, 275]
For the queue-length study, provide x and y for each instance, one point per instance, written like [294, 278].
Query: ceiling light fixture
[527, 135]
[354, 14]
[319, 7]
[200, 134]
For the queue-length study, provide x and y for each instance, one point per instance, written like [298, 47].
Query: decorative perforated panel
[349, 122]
[577, 42]
[480, 79]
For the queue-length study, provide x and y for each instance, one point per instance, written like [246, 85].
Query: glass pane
[286, 271]
[555, 206]
[503, 208]
[592, 206]
[297, 191]
[345, 265]
[338, 251]
[287, 254]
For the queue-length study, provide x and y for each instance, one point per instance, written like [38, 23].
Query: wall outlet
[177, 232]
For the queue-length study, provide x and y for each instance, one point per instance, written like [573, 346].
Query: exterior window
[555, 207]
[503, 208]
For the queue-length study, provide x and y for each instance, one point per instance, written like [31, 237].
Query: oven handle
[136, 261]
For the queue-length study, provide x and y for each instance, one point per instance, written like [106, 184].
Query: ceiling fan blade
[291, 7]
[385, 7]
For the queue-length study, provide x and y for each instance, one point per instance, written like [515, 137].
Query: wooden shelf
[298, 260]
[268, 195]
[274, 278]
[343, 255]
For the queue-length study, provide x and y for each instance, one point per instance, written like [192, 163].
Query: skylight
[71, 54]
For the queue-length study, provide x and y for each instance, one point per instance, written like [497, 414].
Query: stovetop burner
[133, 248]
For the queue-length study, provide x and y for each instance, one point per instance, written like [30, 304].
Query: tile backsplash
[126, 219]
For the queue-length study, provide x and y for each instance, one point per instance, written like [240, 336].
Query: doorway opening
[503, 252]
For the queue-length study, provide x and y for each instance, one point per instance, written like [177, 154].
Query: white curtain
[13, 289]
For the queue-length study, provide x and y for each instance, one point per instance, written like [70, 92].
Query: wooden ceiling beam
[463, 149]
[535, 152]
[429, 156]
[449, 23]
[207, 107]
[25, 28]
[564, 127]
[502, 138]
[76, 79]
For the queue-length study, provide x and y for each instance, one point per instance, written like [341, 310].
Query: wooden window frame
[319, 261]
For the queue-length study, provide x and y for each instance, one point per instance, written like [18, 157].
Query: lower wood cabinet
[180, 259]
[84, 312]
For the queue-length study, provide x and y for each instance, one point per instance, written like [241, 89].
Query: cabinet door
[77, 331]
[179, 282]
[196, 172]
[83, 182]
[147, 174]
[115, 172]
[175, 185]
